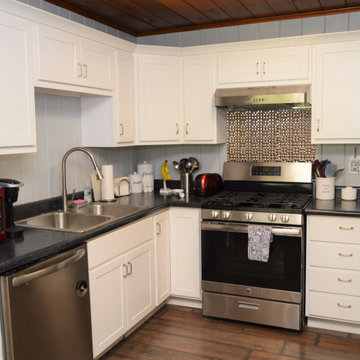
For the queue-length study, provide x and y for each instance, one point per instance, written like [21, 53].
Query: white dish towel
[259, 239]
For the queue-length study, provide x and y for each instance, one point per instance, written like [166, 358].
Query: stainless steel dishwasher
[46, 309]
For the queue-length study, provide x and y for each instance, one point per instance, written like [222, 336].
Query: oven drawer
[340, 256]
[333, 306]
[274, 313]
[334, 229]
[334, 281]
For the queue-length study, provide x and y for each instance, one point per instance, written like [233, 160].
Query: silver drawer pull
[249, 306]
[346, 228]
[345, 255]
[345, 281]
[344, 306]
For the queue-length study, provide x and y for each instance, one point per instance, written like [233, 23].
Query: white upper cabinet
[200, 121]
[281, 64]
[69, 59]
[17, 104]
[124, 126]
[159, 100]
[336, 111]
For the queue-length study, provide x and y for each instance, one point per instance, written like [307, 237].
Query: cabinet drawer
[334, 228]
[334, 281]
[341, 307]
[108, 246]
[339, 256]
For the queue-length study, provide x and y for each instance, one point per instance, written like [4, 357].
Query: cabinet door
[335, 109]
[159, 98]
[162, 257]
[243, 66]
[140, 292]
[291, 63]
[17, 120]
[199, 110]
[58, 56]
[124, 126]
[185, 252]
[107, 305]
[97, 65]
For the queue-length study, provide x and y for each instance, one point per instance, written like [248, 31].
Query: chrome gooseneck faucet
[64, 191]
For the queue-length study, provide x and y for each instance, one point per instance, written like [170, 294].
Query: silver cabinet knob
[285, 218]
[225, 214]
[272, 217]
[249, 216]
[214, 214]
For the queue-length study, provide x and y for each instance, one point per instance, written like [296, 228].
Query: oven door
[227, 269]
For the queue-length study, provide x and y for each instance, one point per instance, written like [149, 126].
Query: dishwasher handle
[23, 279]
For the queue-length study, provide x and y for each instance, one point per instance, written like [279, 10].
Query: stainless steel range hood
[268, 97]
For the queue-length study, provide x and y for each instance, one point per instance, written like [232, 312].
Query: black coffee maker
[11, 191]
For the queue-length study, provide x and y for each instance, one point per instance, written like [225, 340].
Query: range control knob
[249, 216]
[225, 215]
[214, 214]
[285, 218]
[272, 217]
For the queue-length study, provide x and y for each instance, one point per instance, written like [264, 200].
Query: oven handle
[241, 228]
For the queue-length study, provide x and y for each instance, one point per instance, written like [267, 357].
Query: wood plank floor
[180, 333]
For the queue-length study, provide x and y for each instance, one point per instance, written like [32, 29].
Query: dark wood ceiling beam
[307, 5]
[332, 4]
[255, 20]
[187, 11]
[234, 9]
[259, 8]
[282, 6]
[209, 9]
[155, 7]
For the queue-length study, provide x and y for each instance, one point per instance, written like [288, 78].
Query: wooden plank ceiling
[150, 17]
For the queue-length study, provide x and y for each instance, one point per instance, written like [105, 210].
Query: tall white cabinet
[335, 110]
[159, 98]
[17, 104]
[185, 252]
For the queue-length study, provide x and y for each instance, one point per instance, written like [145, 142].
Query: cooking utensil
[196, 164]
[183, 163]
[176, 165]
[330, 170]
[337, 172]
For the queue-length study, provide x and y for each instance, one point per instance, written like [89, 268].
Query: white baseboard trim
[333, 325]
[184, 302]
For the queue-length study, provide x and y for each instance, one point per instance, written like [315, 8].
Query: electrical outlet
[354, 166]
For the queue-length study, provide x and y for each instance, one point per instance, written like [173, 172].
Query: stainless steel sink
[61, 221]
[113, 210]
[83, 219]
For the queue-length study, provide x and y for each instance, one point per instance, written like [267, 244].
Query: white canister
[146, 171]
[348, 193]
[325, 188]
[135, 183]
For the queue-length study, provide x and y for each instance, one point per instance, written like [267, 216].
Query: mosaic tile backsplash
[269, 135]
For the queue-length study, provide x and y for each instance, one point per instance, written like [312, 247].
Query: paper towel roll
[107, 183]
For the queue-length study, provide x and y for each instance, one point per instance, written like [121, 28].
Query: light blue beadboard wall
[59, 122]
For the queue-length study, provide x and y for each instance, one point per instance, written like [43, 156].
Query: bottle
[88, 194]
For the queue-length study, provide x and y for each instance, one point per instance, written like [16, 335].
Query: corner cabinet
[201, 124]
[17, 121]
[281, 64]
[185, 252]
[333, 273]
[121, 276]
[69, 59]
[335, 110]
[159, 98]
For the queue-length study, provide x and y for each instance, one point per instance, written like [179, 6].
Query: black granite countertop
[36, 244]
[335, 207]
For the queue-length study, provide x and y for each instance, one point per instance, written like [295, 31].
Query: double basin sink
[82, 219]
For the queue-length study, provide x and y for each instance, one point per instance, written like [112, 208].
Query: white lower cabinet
[121, 275]
[185, 252]
[162, 256]
[333, 272]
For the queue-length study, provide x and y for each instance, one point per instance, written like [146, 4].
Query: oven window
[224, 259]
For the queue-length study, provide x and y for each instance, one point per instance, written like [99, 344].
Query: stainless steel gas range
[265, 292]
